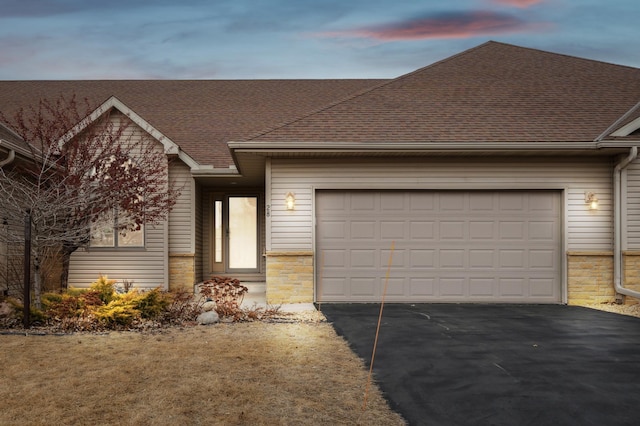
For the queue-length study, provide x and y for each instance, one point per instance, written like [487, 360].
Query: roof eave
[266, 148]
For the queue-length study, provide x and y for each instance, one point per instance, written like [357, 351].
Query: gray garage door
[448, 246]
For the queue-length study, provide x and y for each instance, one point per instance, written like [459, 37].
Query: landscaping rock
[207, 318]
[5, 309]
[208, 306]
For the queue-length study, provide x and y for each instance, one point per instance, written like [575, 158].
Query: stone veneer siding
[289, 277]
[631, 270]
[590, 277]
[181, 271]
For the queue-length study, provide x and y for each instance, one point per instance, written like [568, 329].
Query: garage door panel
[512, 287]
[509, 202]
[364, 287]
[542, 287]
[397, 259]
[452, 230]
[393, 230]
[396, 288]
[422, 287]
[452, 287]
[422, 202]
[363, 258]
[481, 203]
[482, 259]
[481, 230]
[363, 202]
[510, 259]
[333, 229]
[454, 258]
[542, 231]
[333, 287]
[482, 287]
[422, 230]
[363, 230]
[512, 230]
[334, 258]
[541, 203]
[451, 246]
[542, 259]
[392, 202]
[422, 259]
[452, 202]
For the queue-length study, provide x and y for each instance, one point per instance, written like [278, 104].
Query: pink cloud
[523, 4]
[443, 26]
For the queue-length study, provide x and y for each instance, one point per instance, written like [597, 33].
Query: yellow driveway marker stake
[375, 342]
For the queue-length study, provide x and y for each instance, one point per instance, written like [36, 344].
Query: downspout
[9, 159]
[618, 281]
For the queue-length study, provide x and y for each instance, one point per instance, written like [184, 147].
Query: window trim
[117, 236]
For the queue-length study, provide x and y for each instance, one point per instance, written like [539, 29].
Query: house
[500, 174]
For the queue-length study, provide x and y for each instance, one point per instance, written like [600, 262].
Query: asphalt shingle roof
[492, 93]
[201, 116]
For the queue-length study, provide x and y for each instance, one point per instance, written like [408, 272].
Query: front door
[235, 234]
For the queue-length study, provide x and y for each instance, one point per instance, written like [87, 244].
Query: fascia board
[627, 129]
[310, 147]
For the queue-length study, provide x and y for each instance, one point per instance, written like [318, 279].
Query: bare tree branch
[74, 183]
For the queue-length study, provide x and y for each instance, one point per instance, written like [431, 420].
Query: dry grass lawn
[226, 374]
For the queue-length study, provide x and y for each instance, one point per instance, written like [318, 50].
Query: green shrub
[152, 303]
[50, 299]
[105, 288]
[118, 312]
[100, 307]
[126, 308]
[36, 316]
[72, 291]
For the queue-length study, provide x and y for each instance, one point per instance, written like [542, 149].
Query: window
[105, 235]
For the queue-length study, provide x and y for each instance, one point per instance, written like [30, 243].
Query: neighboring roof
[494, 93]
[201, 116]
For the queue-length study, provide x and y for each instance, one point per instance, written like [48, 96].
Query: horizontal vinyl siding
[181, 234]
[586, 230]
[146, 267]
[632, 207]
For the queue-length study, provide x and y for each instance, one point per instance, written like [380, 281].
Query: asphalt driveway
[452, 364]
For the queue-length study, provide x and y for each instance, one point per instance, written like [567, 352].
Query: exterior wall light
[591, 200]
[290, 201]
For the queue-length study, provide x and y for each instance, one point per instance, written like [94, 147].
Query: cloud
[523, 4]
[443, 26]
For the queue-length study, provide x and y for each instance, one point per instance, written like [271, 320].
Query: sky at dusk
[266, 39]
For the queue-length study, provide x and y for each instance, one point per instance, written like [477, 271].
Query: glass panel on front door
[243, 232]
[235, 234]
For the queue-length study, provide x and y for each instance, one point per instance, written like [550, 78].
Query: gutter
[9, 159]
[618, 280]
[324, 147]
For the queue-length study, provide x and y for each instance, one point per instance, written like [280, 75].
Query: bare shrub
[183, 308]
[226, 293]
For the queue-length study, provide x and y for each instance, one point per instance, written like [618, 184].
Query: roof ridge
[566, 55]
[364, 92]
